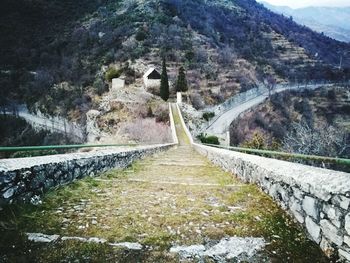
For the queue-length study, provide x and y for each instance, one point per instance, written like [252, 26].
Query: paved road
[221, 125]
[53, 124]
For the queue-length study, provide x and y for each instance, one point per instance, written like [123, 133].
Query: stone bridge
[168, 203]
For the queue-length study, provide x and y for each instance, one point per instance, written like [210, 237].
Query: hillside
[54, 55]
[324, 113]
[332, 21]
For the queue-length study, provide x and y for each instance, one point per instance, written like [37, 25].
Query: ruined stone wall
[25, 179]
[317, 198]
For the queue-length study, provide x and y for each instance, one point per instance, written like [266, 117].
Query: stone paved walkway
[170, 200]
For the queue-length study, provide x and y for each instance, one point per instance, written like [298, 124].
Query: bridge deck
[173, 198]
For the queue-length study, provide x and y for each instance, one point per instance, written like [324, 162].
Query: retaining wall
[54, 124]
[250, 94]
[318, 198]
[24, 179]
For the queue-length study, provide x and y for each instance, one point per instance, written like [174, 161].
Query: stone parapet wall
[172, 126]
[238, 99]
[317, 198]
[24, 179]
[189, 135]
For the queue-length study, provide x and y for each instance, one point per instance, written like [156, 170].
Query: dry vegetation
[293, 115]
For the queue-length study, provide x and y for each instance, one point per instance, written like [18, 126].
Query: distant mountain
[332, 21]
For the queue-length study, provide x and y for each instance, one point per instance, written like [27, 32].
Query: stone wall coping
[172, 126]
[7, 165]
[189, 135]
[318, 181]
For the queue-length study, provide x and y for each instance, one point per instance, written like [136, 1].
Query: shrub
[141, 35]
[150, 112]
[257, 142]
[197, 101]
[323, 140]
[260, 121]
[208, 115]
[208, 139]
[147, 131]
[331, 94]
[100, 87]
[112, 73]
[181, 83]
[162, 113]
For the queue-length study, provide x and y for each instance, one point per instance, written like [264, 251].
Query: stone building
[151, 78]
[118, 84]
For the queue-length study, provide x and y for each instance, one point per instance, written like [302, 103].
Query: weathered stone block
[82, 162]
[9, 193]
[313, 229]
[296, 206]
[326, 247]
[25, 175]
[283, 194]
[347, 223]
[347, 240]
[344, 254]
[333, 213]
[265, 184]
[48, 184]
[7, 179]
[320, 193]
[37, 181]
[310, 206]
[273, 191]
[49, 168]
[298, 193]
[331, 232]
[76, 173]
[296, 210]
[341, 201]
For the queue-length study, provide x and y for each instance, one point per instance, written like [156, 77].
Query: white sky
[304, 3]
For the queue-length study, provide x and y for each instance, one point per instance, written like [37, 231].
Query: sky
[304, 3]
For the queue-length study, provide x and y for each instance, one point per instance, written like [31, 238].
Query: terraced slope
[175, 198]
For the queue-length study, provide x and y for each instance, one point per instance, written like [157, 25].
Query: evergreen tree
[181, 83]
[164, 83]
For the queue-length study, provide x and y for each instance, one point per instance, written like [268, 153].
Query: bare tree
[227, 56]
[197, 101]
[324, 140]
[270, 83]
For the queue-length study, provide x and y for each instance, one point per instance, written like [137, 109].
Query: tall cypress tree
[164, 83]
[181, 83]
